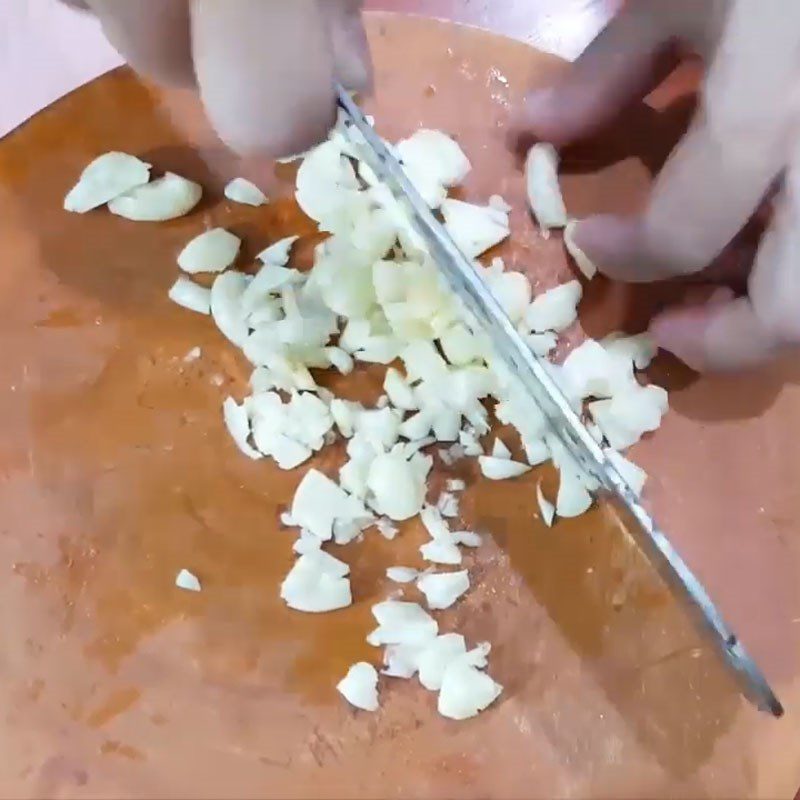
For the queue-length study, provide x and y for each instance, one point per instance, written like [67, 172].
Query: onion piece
[360, 686]
[317, 583]
[433, 660]
[573, 497]
[640, 348]
[592, 371]
[467, 538]
[536, 452]
[165, 198]
[546, 508]
[240, 190]
[238, 425]
[400, 622]
[632, 473]
[318, 502]
[441, 551]
[277, 254]
[433, 162]
[466, 691]
[386, 528]
[475, 229]
[106, 178]
[500, 469]
[397, 490]
[456, 484]
[402, 574]
[542, 344]
[399, 391]
[442, 589]
[499, 450]
[188, 294]
[212, 251]
[556, 309]
[582, 261]
[226, 306]
[447, 505]
[544, 191]
[187, 581]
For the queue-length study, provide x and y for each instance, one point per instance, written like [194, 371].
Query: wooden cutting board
[117, 472]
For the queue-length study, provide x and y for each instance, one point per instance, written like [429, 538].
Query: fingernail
[683, 333]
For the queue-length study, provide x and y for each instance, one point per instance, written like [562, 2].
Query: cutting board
[117, 473]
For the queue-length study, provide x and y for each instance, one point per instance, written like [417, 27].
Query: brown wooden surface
[116, 472]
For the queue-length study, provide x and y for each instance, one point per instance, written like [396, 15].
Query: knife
[534, 377]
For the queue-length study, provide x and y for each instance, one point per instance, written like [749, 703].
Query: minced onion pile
[374, 295]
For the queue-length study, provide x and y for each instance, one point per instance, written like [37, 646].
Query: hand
[743, 139]
[264, 68]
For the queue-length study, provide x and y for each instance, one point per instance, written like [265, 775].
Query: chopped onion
[106, 178]
[165, 198]
[542, 344]
[592, 371]
[447, 505]
[188, 294]
[573, 498]
[238, 425]
[582, 261]
[226, 306]
[240, 190]
[187, 581]
[317, 583]
[556, 309]
[546, 508]
[641, 348]
[400, 394]
[278, 254]
[212, 251]
[500, 469]
[360, 686]
[544, 191]
[536, 452]
[386, 528]
[475, 229]
[467, 538]
[442, 589]
[434, 162]
[466, 691]
[441, 551]
[397, 491]
[500, 450]
[318, 502]
[400, 622]
[402, 574]
[632, 473]
[433, 660]
[456, 485]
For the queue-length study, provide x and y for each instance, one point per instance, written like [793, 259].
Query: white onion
[400, 393]
[226, 306]
[573, 498]
[546, 508]
[238, 425]
[475, 229]
[441, 551]
[277, 254]
[632, 473]
[401, 622]
[402, 574]
[499, 450]
[165, 198]
[433, 660]
[467, 538]
[360, 686]
[397, 491]
[318, 501]
[188, 294]
[317, 583]
[640, 348]
[466, 691]
[106, 178]
[544, 191]
[556, 309]
[582, 261]
[442, 589]
[187, 581]
[240, 190]
[500, 469]
[212, 251]
[542, 344]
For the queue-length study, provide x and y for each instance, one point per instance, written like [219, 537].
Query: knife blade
[533, 376]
